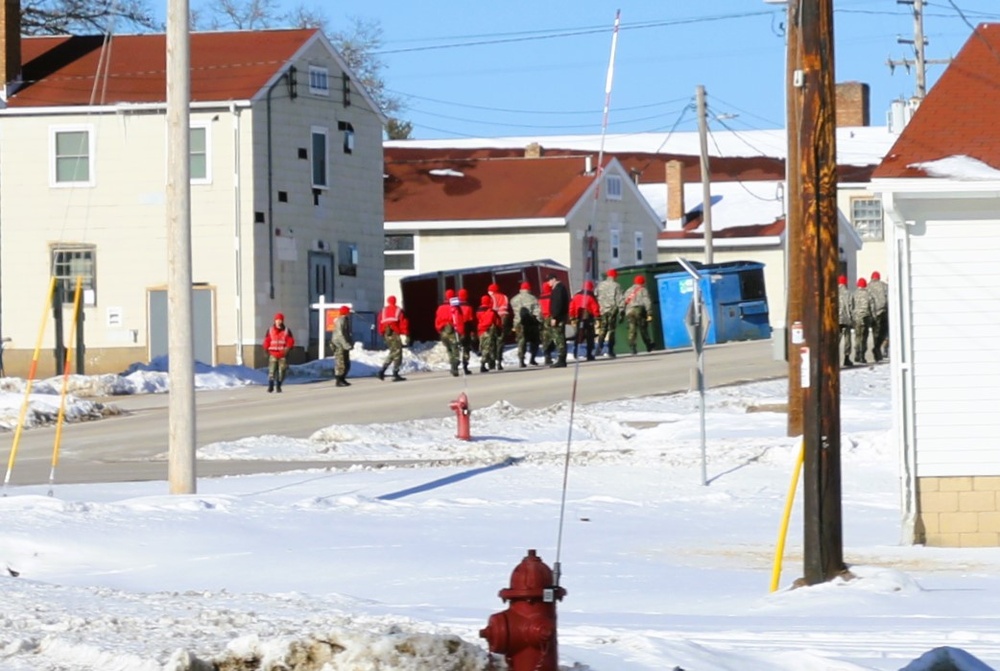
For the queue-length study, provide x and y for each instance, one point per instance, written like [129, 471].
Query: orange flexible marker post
[65, 384]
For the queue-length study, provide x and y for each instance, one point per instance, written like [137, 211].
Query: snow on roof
[962, 168]
[856, 145]
[733, 203]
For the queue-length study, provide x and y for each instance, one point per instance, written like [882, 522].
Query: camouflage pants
[500, 337]
[395, 345]
[527, 339]
[450, 341]
[880, 334]
[861, 329]
[548, 339]
[637, 321]
[468, 344]
[606, 325]
[558, 330]
[845, 340]
[276, 368]
[341, 361]
[488, 347]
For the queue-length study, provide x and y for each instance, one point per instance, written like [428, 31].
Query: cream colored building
[286, 194]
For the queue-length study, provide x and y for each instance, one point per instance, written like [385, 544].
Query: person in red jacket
[488, 327]
[583, 311]
[444, 324]
[393, 327]
[548, 340]
[278, 341]
[501, 304]
[465, 324]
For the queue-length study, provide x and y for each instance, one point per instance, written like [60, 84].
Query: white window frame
[325, 133]
[54, 132]
[402, 252]
[613, 187]
[638, 247]
[319, 80]
[68, 281]
[616, 246]
[865, 225]
[207, 127]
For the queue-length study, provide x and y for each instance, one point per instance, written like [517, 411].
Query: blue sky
[477, 69]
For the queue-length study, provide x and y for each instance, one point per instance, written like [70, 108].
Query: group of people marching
[540, 323]
[862, 311]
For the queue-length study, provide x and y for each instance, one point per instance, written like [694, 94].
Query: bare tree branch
[64, 17]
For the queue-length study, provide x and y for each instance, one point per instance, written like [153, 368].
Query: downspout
[900, 362]
[237, 219]
[270, 189]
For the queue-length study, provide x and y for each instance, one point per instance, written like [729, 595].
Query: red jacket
[584, 306]
[392, 316]
[465, 320]
[501, 304]
[486, 318]
[277, 341]
[444, 316]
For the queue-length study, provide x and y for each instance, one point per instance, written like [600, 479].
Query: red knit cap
[588, 286]
[493, 288]
[344, 310]
[639, 279]
[463, 295]
[486, 301]
[278, 316]
[862, 283]
[525, 286]
[449, 294]
[391, 300]
[612, 273]
[842, 280]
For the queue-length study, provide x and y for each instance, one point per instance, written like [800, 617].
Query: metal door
[320, 285]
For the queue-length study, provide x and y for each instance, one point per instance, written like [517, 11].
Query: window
[319, 81]
[613, 187]
[616, 246]
[72, 157]
[348, 131]
[70, 262]
[348, 254]
[199, 154]
[345, 86]
[320, 160]
[399, 252]
[638, 247]
[866, 216]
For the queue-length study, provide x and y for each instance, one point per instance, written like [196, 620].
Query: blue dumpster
[735, 301]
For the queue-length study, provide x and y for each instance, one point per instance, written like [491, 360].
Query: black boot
[454, 369]
[560, 363]
[482, 368]
[342, 382]
[631, 348]
[465, 367]
[847, 362]
[277, 386]
[381, 372]
[270, 386]
[499, 364]
[396, 377]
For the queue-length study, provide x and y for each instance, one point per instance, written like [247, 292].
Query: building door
[203, 308]
[320, 287]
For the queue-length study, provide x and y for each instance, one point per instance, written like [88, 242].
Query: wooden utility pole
[180, 346]
[793, 224]
[820, 366]
[706, 174]
[919, 42]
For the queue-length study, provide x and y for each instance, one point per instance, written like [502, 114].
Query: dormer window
[319, 81]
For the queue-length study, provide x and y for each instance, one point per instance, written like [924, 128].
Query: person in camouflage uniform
[444, 324]
[488, 327]
[527, 316]
[610, 299]
[343, 341]
[394, 328]
[844, 317]
[548, 339]
[862, 312]
[466, 323]
[880, 321]
[638, 313]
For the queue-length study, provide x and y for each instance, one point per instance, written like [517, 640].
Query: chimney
[852, 104]
[10, 29]
[533, 150]
[675, 195]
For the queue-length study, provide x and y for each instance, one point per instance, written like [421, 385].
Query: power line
[502, 124]
[513, 111]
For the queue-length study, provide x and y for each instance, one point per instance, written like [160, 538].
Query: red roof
[63, 70]
[960, 113]
[469, 189]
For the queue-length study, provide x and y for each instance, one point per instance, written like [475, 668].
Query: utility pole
[793, 224]
[181, 431]
[919, 43]
[706, 174]
[820, 365]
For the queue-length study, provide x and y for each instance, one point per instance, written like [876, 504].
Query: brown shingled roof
[483, 189]
[959, 115]
[61, 71]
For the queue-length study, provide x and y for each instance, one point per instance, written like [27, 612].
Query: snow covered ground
[399, 569]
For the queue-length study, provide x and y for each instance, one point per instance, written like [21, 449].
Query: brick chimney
[852, 104]
[675, 195]
[533, 150]
[10, 29]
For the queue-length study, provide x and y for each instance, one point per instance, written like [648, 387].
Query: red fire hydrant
[461, 407]
[525, 634]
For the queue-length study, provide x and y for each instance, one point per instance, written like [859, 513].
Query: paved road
[133, 446]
